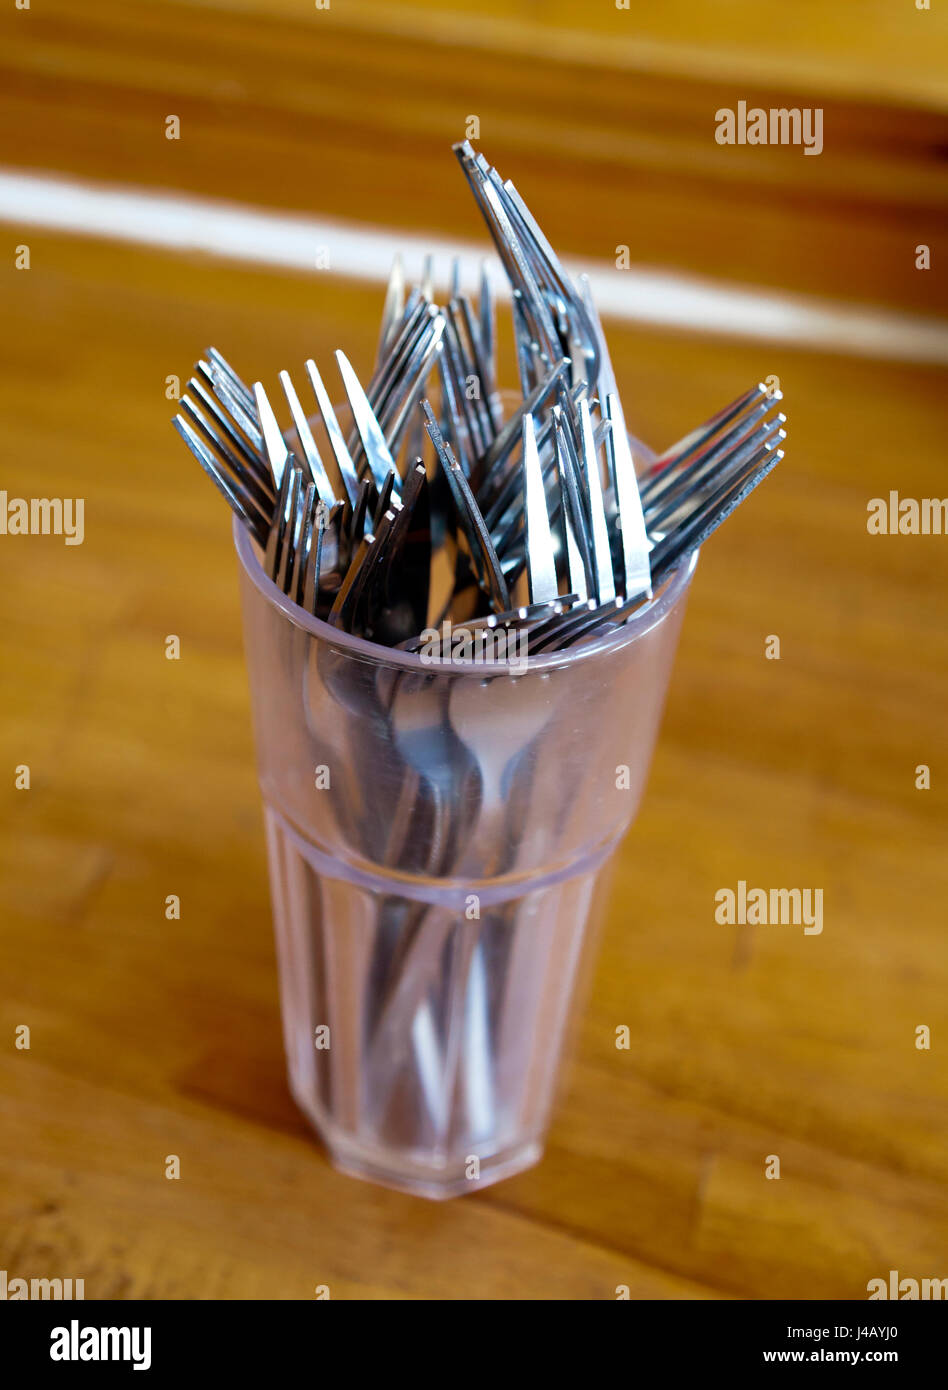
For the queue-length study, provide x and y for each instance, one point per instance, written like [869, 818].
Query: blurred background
[313, 143]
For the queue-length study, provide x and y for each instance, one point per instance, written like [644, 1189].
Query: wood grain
[351, 112]
[152, 1037]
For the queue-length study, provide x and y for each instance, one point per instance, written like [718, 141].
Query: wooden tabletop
[151, 1037]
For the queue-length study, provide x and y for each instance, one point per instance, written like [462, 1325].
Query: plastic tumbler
[438, 838]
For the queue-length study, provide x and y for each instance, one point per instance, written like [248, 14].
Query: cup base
[492, 1170]
[420, 1174]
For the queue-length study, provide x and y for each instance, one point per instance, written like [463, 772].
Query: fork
[228, 457]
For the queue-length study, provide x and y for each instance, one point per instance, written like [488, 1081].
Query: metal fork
[228, 457]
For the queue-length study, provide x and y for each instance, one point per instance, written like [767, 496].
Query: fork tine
[394, 304]
[569, 466]
[404, 333]
[403, 397]
[602, 554]
[427, 278]
[452, 409]
[271, 557]
[287, 530]
[632, 533]
[236, 384]
[525, 343]
[511, 251]
[374, 447]
[501, 515]
[513, 427]
[704, 454]
[360, 522]
[385, 500]
[708, 472]
[336, 441]
[577, 465]
[273, 441]
[483, 403]
[478, 536]
[582, 329]
[605, 385]
[309, 498]
[358, 581]
[244, 415]
[541, 559]
[559, 630]
[304, 510]
[314, 463]
[263, 497]
[235, 495]
[413, 539]
[341, 611]
[314, 557]
[229, 414]
[463, 369]
[487, 318]
[484, 368]
[700, 436]
[715, 510]
[575, 565]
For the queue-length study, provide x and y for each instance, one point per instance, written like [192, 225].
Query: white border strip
[291, 242]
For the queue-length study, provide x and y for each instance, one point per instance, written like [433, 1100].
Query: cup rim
[360, 648]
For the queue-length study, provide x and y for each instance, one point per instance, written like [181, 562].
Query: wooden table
[152, 1037]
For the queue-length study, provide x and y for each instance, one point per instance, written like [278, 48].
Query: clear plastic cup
[438, 840]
